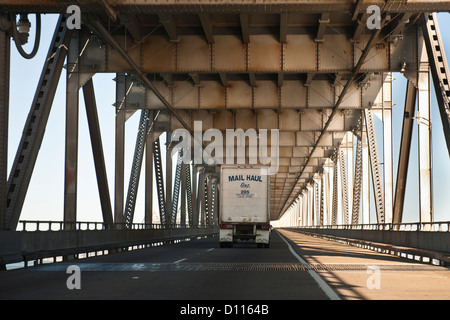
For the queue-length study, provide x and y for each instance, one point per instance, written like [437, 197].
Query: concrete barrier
[18, 246]
[431, 244]
[428, 240]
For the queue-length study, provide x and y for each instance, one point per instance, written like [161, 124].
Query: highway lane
[194, 270]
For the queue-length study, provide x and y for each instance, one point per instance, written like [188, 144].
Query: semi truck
[244, 205]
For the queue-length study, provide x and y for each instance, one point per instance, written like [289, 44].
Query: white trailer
[244, 205]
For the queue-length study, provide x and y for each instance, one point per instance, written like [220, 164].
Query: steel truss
[136, 167]
[318, 202]
[27, 152]
[430, 56]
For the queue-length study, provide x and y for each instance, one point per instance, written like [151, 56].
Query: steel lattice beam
[176, 186]
[439, 70]
[33, 132]
[159, 181]
[136, 168]
[357, 68]
[375, 166]
[358, 182]
[226, 7]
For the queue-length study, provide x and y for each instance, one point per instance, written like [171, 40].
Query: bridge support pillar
[299, 212]
[203, 190]
[149, 178]
[387, 147]
[365, 201]
[71, 153]
[424, 128]
[403, 158]
[119, 148]
[195, 203]
[169, 181]
[97, 151]
[183, 189]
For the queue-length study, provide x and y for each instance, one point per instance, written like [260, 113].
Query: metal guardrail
[47, 225]
[438, 226]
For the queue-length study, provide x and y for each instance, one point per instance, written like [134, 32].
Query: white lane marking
[322, 284]
[178, 261]
[210, 250]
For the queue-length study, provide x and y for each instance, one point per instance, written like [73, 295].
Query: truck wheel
[267, 245]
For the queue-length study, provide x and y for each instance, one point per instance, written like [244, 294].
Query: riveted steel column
[120, 149]
[204, 199]
[365, 201]
[317, 196]
[403, 158]
[195, 196]
[202, 196]
[71, 154]
[183, 195]
[424, 124]
[169, 182]
[148, 218]
[357, 184]
[439, 70]
[310, 221]
[344, 186]
[97, 151]
[350, 173]
[335, 201]
[299, 211]
[327, 192]
[209, 200]
[375, 166]
[305, 208]
[5, 50]
[387, 148]
[34, 129]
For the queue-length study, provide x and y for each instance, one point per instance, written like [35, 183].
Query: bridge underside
[312, 70]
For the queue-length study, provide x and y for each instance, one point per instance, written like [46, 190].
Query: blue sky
[44, 199]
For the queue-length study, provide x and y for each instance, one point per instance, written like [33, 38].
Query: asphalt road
[194, 270]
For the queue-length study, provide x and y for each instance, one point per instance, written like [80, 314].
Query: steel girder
[424, 130]
[358, 182]
[33, 133]
[119, 177]
[375, 166]
[97, 151]
[159, 181]
[130, 203]
[116, 7]
[439, 70]
[176, 186]
[265, 58]
[71, 138]
[194, 95]
[197, 94]
[404, 153]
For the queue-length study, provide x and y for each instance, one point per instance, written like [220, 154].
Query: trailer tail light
[265, 226]
[223, 226]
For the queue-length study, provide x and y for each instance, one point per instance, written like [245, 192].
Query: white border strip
[322, 284]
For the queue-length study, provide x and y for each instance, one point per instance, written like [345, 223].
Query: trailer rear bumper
[229, 236]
